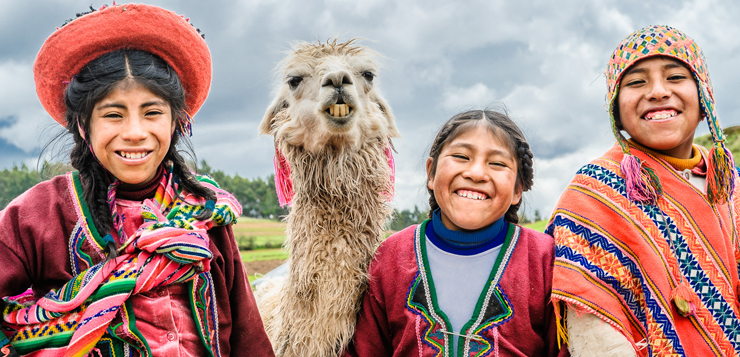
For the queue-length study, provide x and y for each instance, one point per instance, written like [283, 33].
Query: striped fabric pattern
[622, 260]
[171, 247]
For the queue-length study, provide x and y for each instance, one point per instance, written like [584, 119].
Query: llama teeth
[339, 110]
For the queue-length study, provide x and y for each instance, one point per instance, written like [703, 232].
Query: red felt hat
[132, 26]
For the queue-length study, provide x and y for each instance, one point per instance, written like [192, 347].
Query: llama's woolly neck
[335, 224]
[336, 178]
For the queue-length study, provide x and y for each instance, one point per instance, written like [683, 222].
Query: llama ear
[278, 105]
[386, 110]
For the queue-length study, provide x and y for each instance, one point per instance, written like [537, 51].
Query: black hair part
[503, 127]
[94, 82]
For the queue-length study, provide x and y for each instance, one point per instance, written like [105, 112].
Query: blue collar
[465, 243]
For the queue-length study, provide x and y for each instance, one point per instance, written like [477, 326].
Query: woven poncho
[642, 248]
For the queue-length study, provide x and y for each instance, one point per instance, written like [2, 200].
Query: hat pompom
[720, 174]
[642, 182]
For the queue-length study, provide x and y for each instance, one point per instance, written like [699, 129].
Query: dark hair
[503, 127]
[94, 82]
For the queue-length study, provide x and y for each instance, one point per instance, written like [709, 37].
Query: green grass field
[255, 234]
[537, 226]
[264, 254]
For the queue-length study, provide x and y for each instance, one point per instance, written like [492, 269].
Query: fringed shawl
[92, 310]
[622, 260]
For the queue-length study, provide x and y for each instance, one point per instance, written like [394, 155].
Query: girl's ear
[430, 177]
[517, 197]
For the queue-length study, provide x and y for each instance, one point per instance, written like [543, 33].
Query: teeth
[133, 155]
[663, 114]
[471, 194]
[339, 110]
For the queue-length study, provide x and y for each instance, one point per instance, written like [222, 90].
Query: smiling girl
[132, 254]
[647, 240]
[467, 280]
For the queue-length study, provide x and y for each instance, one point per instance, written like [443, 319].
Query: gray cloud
[541, 59]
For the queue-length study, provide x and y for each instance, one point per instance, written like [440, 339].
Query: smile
[661, 114]
[133, 155]
[471, 194]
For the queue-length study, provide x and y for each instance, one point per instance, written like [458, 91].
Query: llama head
[329, 97]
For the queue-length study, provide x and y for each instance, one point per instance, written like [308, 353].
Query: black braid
[524, 175]
[94, 180]
[188, 182]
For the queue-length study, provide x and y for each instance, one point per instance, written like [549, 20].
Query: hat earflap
[720, 166]
[642, 184]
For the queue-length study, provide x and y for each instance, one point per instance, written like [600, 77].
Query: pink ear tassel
[283, 182]
[392, 165]
[640, 180]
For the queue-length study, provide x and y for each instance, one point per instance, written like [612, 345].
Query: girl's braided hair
[503, 127]
[94, 82]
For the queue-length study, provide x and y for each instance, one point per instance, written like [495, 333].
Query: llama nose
[337, 79]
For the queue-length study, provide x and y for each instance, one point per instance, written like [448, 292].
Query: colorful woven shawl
[170, 247]
[624, 261]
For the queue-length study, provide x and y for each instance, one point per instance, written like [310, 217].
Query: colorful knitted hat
[657, 40]
[132, 26]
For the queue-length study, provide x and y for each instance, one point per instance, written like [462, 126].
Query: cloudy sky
[543, 60]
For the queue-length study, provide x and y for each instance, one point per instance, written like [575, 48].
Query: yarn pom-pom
[283, 182]
[642, 182]
[720, 174]
[685, 299]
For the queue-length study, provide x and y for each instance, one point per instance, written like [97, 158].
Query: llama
[332, 131]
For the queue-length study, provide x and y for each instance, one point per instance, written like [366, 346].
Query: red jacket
[515, 316]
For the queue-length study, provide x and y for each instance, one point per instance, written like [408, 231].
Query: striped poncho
[623, 261]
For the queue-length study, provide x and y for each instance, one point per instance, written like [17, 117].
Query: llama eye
[369, 76]
[293, 82]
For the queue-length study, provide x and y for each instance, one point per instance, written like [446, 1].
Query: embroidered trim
[427, 308]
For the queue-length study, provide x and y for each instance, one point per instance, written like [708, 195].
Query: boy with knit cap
[646, 235]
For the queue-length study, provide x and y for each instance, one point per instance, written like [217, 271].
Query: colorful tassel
[562, 331]
[720, 174]
[392, 165]
[495, 341]
[642, 182]
[283, 182]
[685, 299]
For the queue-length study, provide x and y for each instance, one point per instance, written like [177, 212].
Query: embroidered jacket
[623, 261]
[49, 237]
[513, 317]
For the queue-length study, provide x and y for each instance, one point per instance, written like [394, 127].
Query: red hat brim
[132, 26]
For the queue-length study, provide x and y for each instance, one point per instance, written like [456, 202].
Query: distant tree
[537, 216]
[15, 181]
[406, 218]
[258, 196]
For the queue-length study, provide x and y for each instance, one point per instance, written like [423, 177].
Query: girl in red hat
[132, 254]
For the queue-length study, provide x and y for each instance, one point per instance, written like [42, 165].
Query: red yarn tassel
[685, 299]
[283, 182]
